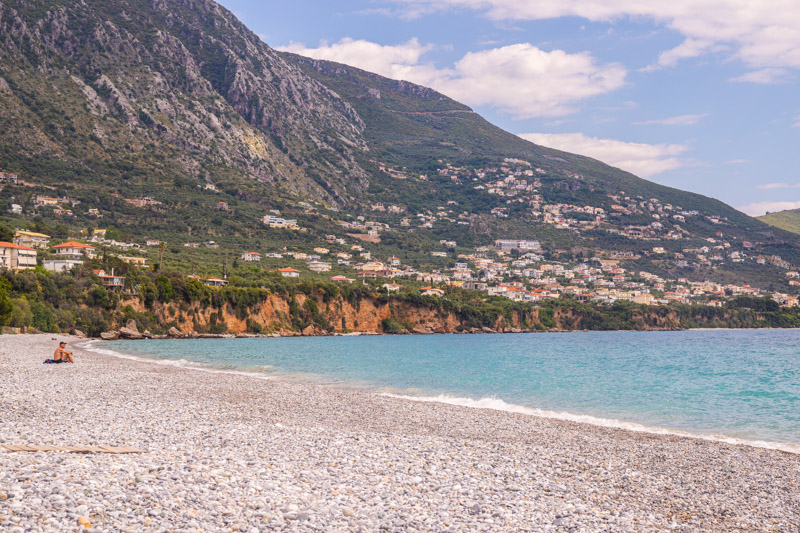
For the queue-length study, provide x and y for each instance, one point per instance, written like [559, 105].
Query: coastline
[226, 450]
[492, 403]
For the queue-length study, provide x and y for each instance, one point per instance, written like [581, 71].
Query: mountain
[786, 220]
[147, 90]
[157, 112]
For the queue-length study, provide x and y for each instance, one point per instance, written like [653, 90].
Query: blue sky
[702, 95]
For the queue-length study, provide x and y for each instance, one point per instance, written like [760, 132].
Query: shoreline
[495, 404]
[195, 336]
[230, 452]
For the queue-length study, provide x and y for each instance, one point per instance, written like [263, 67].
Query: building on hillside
[7, 177]
[31, 239]
[46, 200]
[60, 265]
[431, 291]
[140, 262]
[16, 257]
[392, 287]
[644, 298]
[319, 266]
[251, 256]
[145, 201]
[289, 272]
[506, 245]
[342, 279]
[110, 281]
[475, 285]
[74, 250]
[214, 282]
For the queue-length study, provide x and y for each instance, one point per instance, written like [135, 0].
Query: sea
[740, 386]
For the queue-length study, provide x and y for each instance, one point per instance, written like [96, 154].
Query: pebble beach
[233, 452]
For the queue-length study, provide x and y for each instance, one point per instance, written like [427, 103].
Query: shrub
[390, 325]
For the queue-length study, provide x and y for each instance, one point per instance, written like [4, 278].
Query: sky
[702, 95]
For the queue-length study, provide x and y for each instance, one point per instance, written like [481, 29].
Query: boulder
[174, 332]
[309, 331]
[109, 335]
[79, 333]
[128, 333]
[131, 325]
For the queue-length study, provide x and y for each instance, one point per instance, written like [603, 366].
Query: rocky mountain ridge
[179, 86]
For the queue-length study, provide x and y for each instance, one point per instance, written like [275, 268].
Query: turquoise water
[741, 384]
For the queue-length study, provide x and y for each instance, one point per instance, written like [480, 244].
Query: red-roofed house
[289, 272]
[16, 257]
[75, 250]
[251, 256]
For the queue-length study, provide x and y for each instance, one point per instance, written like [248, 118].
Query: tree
[5, 303]
[6, 233]
[21, 316]
[164, 288]
[112, 233]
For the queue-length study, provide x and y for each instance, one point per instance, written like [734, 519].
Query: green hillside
[785, 220]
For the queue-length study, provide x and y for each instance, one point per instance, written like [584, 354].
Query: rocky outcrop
[184, 78]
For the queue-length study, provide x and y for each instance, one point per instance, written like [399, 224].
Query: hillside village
[513, 269]
[517, 269]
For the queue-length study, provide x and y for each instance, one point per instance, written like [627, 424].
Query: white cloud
[797, 122]
[761, 33]
[759, 208]
[519, 79]
[400, 61]
[770, 186]
[641, 159]
[681, 120]
[764, 76]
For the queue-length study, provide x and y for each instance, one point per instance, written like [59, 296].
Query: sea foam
[500, 405]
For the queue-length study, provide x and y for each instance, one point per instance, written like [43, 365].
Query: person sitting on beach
[61, 355]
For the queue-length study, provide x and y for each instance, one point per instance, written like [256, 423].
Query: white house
[319, 266]
[289, 272]
[16, 257]
[74, 250]
[60, 265]
[251, 256]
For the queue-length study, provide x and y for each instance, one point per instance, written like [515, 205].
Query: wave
[500, 405]
[181, 363]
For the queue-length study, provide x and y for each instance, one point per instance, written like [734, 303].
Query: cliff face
[299, 316]
[178, 86]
